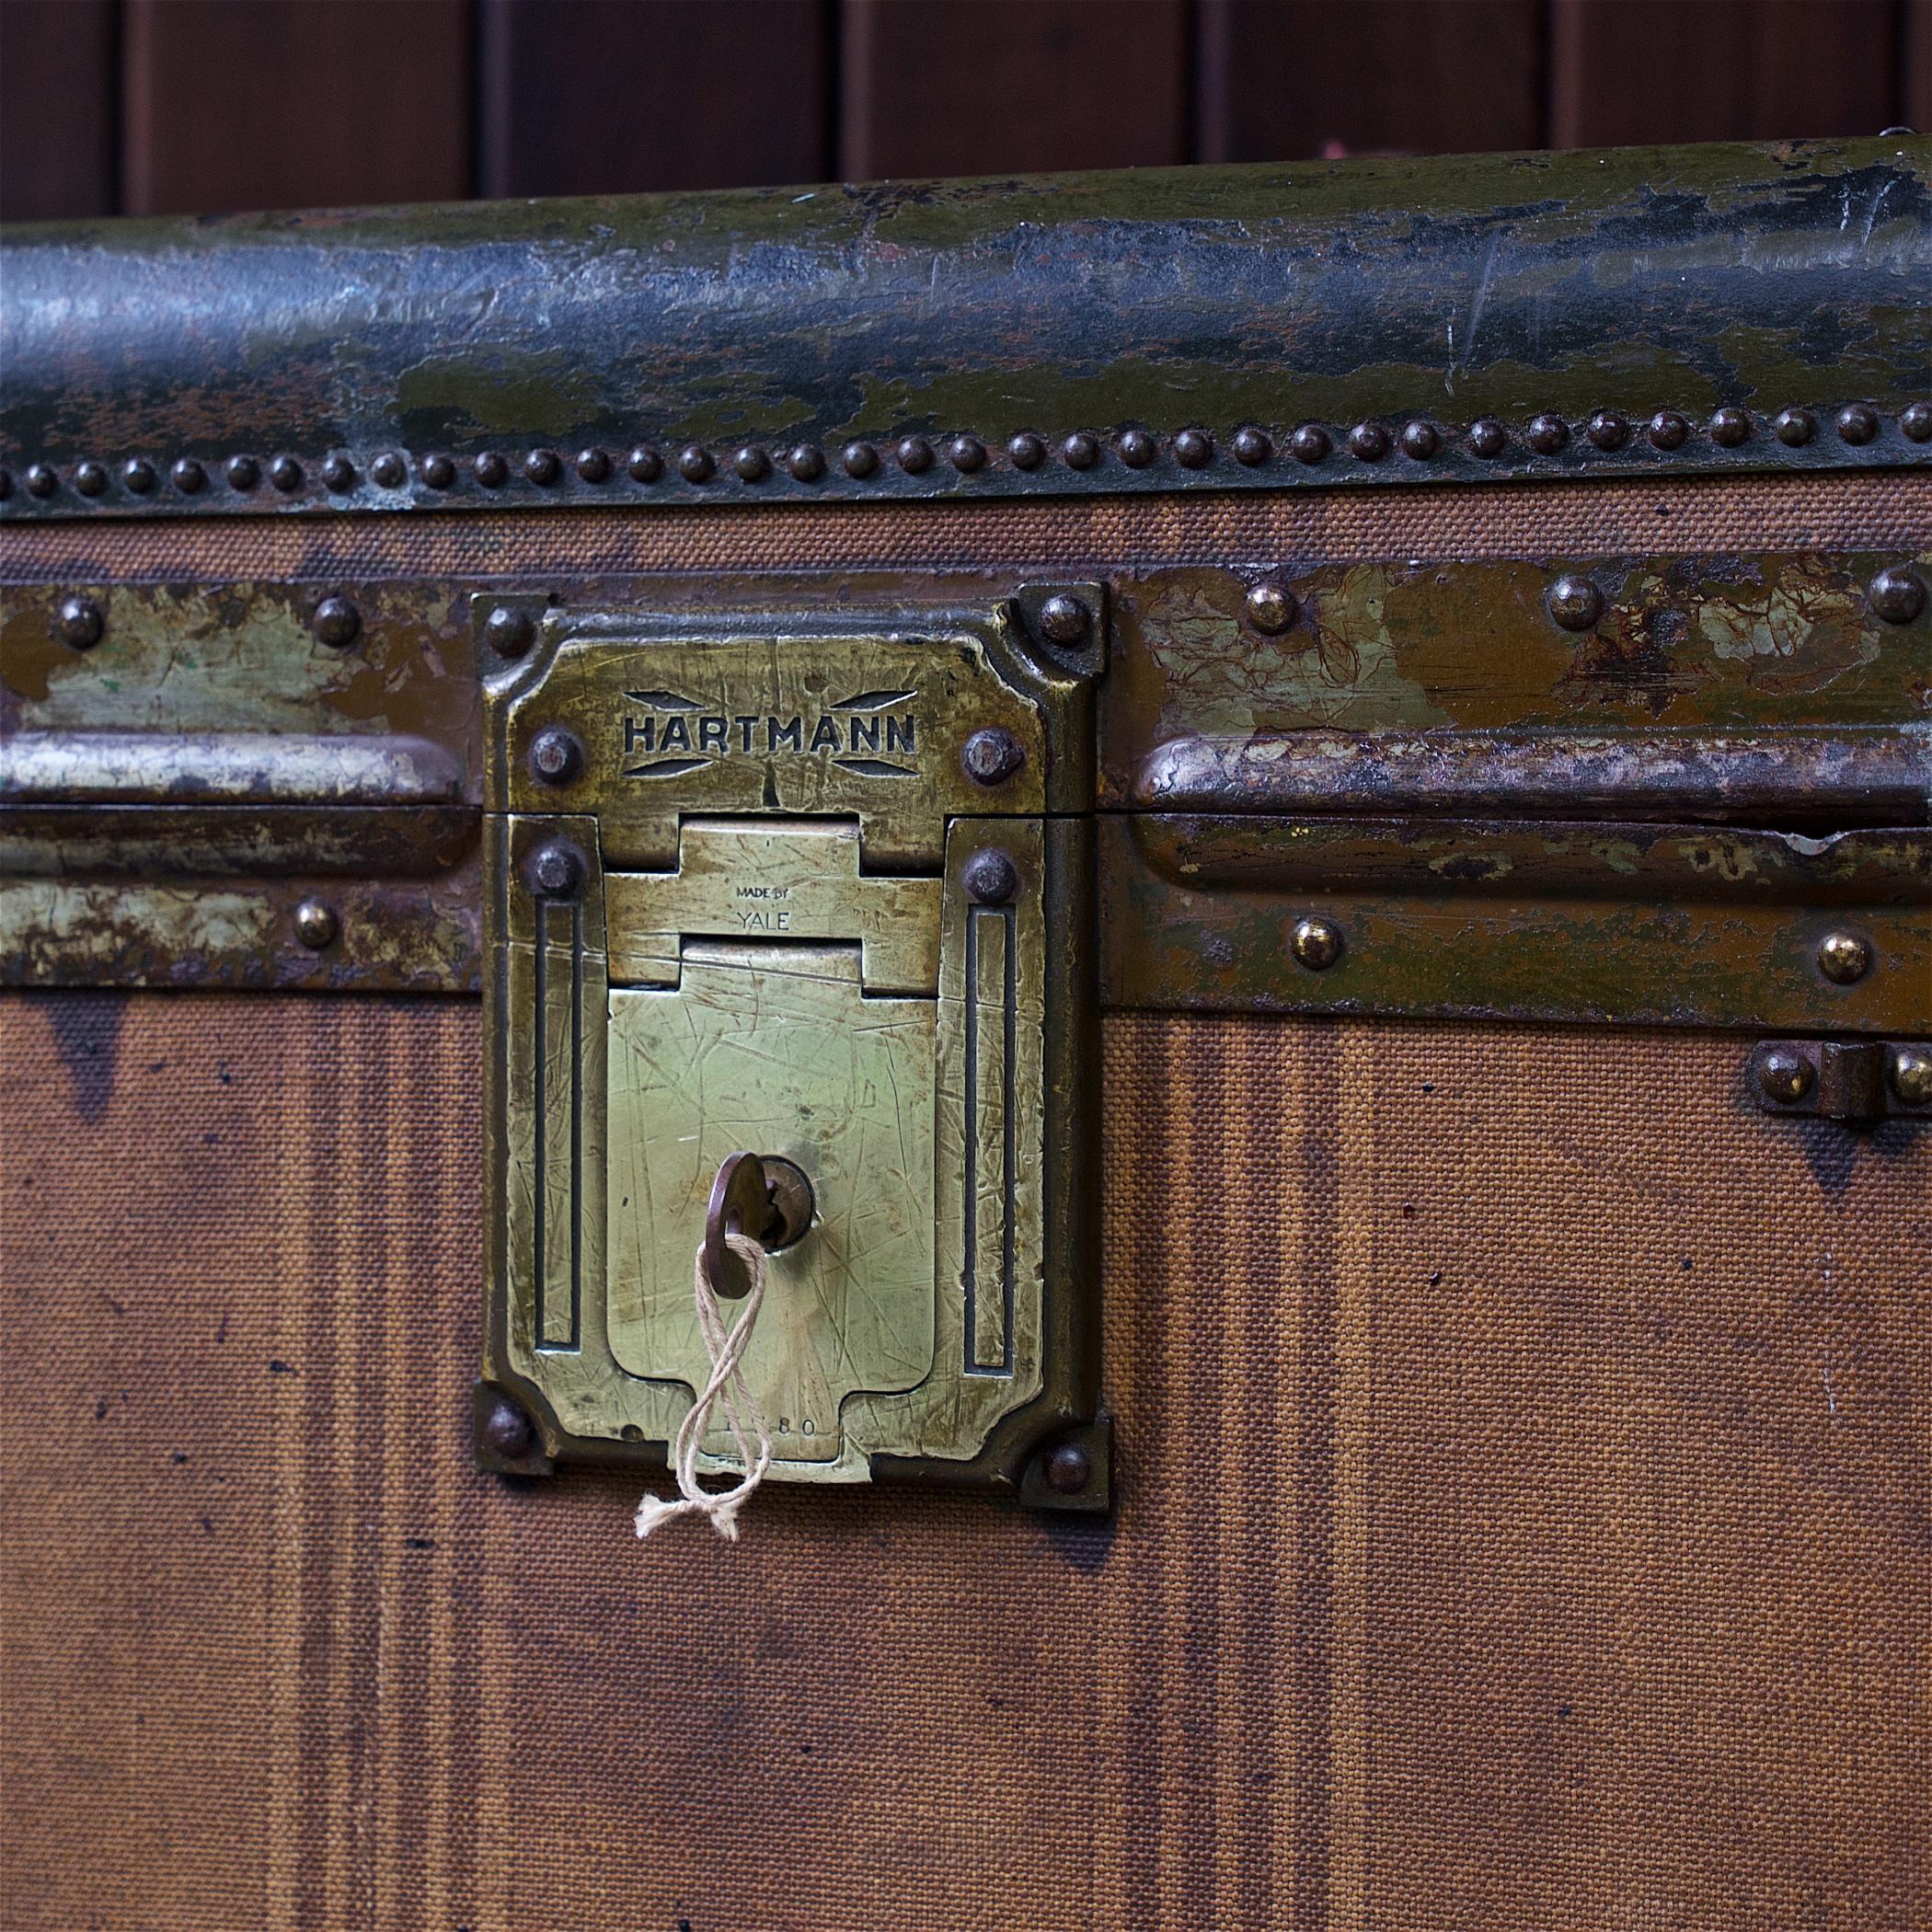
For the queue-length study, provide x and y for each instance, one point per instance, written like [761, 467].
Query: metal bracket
[1844, 1079]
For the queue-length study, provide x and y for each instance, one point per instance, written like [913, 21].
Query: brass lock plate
[820, 890]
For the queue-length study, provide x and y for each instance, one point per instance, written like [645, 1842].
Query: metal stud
[806, 462]
[1607, 431]
[1194, 449]
[242, 472]
[752, 464]
[509, 630]
[189, 477]
[1548, 434]
[90, 479]
[1420, 440]
[966, 454]
[1315, 944]
[858, 459]
[389, 471]
[1309, 443]
[1784, 1075]
[1911, 1075]
[492, 469]
[1138, 449]
[1065, 619]
[991, 756]
[1843, 958]
[1897, 595]
[80, 623]
[1251, 447]
[41, 480]
[439, 472]
[593, 466]
[1857, 423]
[1067, 1469]
[555, 755]
[1270, 609]
[507, 1432]
[315, 923]
[644, 464]
[914, 454]
[1915, 421]
[990, 877]
[1669, 430]
[1080, 451]
[1027, 450]
[543, 466]
[1729, 427]
[139, 476]
[695, 463]
[555, 869]
[339, 474]
[1795, 427]
[1488, 437]
[336, 622]
[1575, 602]
[1368, 442]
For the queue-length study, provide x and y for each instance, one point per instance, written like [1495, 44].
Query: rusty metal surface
[1376, 322]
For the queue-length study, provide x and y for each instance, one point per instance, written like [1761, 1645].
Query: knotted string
[725, 1347]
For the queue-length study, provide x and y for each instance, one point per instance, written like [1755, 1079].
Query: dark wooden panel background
[166, 106]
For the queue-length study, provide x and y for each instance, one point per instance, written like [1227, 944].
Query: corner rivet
[336, 622]
[315, 923]
[1911, 1072]
[555, 755]
[1843, 958]
[509, 630]
[1316, 943]
[1065, 619]
[1067, 1469]
[556, 870]
[1783, 1075]
[1897, 595]
[991, 756]
[80, 623]
[990, 877]
[1270, 609]
[506, 1434]
[1575, 602]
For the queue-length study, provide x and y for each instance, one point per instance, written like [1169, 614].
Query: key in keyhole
[763, 1197]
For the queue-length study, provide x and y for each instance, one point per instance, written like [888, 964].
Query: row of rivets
[1418, 439]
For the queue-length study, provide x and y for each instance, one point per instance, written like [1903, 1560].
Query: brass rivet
[644, 464]
[1795, 427]
[336, 622]
[556, 756]
[1784, 1075]
[1194, 449]
[1488, 437]
[189, 477]
[966, 454]
[1063, 619]
[1027, 450]
[80, 623]
[509, 630]
[990, 877]
[1316, 943]
[1369, 442]
[991, 756]
[1911, 1072]
[1251, 447]
[1843, 958]
[1575, 602]
[555, 869]
[694, 463]
[90, 479]
[594, 464]
[389, 471]
[1270, 609]
[1309, 443]
[315, 923]
[1898, 594]
[1729, 427]
[1068, 1469]
[1419, 439]
[1548, 434]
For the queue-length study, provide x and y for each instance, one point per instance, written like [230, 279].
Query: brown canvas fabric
[1682, 515]
[1522, 1522]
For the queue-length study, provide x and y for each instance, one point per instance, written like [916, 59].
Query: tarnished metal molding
[1639, 310]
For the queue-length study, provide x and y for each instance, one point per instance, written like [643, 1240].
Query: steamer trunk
[1466, 1193]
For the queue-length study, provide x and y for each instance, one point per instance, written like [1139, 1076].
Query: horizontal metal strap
[1809, 780]
[227, 768]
